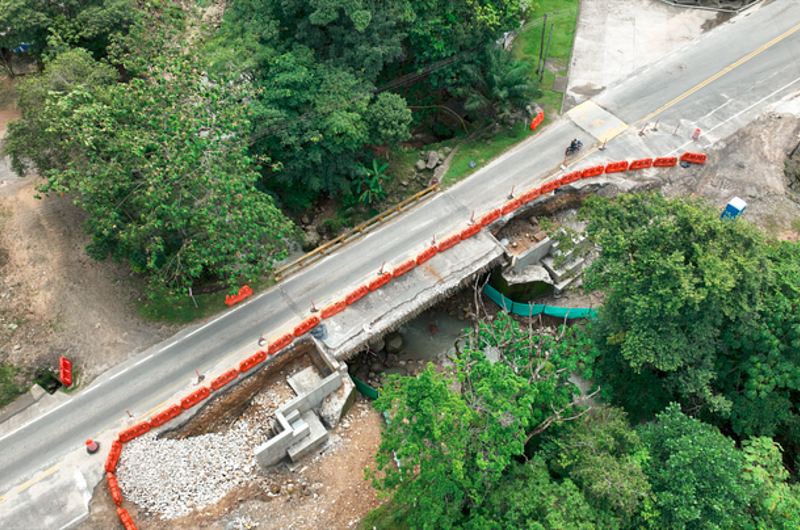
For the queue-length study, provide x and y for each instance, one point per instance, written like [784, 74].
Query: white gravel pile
[170, 478]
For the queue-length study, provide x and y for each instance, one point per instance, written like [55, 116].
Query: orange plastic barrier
[134, 432]
[244, 292]
[665, 161]
[510, 206]
[113, 456]
[380, 281]
[427, 254]
[593, 171]
[529, 195]
[65, 371]
[490, 217]
[193, 399]
[642, 163]
[448, 242]
[571, 177]
[252, 361]
[126, 519]
[617, 167]
[694, 158]
[470, 231]
[332, 309]
[163, 417]
[114, 487]
[279, 343]
[356, 295]
[306, 325]
[404, 267]
[537, 120]
[550, 186]
[224, 379]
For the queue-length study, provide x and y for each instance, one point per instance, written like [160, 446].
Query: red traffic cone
[92, 446]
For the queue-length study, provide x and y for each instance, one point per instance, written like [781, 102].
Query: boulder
[394, 342]
[432, 160]
[392, 360]
[312, 239]
[378, 345]
[420, 165]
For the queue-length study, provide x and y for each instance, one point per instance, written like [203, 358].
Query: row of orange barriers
[338, 306]
[537, 120]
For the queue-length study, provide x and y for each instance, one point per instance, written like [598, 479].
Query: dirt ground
[54, 299]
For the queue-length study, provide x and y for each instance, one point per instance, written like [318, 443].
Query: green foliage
[695, 473]
[500, 86]
[527, 498]
[455, 436]
[776, 503]
[369, 189]
[31, 142]
[604, 456]
[678, 282]
[9, 387]
[90, 24]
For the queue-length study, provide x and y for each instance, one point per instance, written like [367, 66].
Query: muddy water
[426, 337]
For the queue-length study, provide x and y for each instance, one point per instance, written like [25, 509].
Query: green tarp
[527, 310]
[365, 388]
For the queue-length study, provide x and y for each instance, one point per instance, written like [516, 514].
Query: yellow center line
[3, 498]
[718, 75]
[34, 481]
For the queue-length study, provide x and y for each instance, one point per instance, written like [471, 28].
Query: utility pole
[541, 74]
[541, 48]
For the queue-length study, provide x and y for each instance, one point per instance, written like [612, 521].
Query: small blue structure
[734, 209]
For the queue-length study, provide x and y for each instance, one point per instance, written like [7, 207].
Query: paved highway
[718, 83]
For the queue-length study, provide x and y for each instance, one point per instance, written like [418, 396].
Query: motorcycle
[572, 149]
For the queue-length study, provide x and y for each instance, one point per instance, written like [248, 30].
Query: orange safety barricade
[134, 432]
[65, 371]
[404, 267]
[279, 343]
[592, 171]
[448, 242]
[617, 167]
[244, 292]
[694, 158]
[379, 282]
[126, 519]
[550, 186]
[113, 456]
[490, 217]
[332, 309]
[530, 195]
[306, 325]
[510, 206]
[642, 163]
[224, 379]
[665, 161]
[166, 415]
[470, 231]
[425, 255]
[571, 177]
[194, 398]
[537, 120]
[356, 295]
[252, 361]
[114, 487]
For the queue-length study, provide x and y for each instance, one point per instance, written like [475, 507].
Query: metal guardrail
[353, 234]
[744, 5]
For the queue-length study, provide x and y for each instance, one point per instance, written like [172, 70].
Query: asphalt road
[706, 85]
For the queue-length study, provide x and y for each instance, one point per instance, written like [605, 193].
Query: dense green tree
[603, 455]
[500, 85]
[455, 436]
[31, 142]
[775, 503]
[696, 474]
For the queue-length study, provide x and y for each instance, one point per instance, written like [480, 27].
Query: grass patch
[184, 311]
[796, 225]
[10, 388]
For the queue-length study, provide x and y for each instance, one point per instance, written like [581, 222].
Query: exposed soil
[522, 233]
[54, 299]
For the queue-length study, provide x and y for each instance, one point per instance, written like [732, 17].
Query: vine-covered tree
[455, 436]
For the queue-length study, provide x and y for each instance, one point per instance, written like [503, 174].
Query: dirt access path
[54, 299]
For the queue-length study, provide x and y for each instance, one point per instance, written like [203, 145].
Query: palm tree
[499, 86]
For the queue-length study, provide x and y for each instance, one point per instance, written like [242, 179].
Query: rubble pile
[170, 478]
